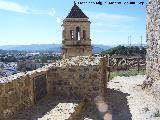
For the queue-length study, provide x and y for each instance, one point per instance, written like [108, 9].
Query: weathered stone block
[94, 76]
[72, 70]
[55, 74]
[156, 90]
[1, 88]
[27, 82]
[25, 94]
[54, 69]
[82, 76]
[9, 87]
[27, 102]
[96, 69]
[13, 98]
[8, 113]
[86, 69]
[19, 107]
[3, 103]
[20, 83]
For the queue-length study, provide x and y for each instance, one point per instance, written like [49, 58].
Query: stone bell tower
[76, 34]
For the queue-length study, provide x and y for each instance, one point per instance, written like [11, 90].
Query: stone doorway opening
[40, 87]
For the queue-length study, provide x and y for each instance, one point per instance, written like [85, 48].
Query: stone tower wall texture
[153, 40]
[153, 48]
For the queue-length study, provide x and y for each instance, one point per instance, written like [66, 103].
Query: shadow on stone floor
[117, 102]
[118, 105]
[42, 107]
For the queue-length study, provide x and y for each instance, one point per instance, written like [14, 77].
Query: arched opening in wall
[72, 34]
[84, 34]
[77, 33]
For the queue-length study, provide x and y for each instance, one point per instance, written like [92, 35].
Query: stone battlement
[83, 77]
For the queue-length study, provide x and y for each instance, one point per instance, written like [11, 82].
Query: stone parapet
[83, 77]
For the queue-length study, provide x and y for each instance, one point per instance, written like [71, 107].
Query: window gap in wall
[77, 33]
[72, 34]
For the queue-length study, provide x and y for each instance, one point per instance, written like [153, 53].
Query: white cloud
[109, 23]
[51, 12]
[58, 20]
[113, 31]
[12, 6]
[111, 17]
[15, 7]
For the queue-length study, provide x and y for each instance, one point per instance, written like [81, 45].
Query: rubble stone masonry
[83, 77]
[153, 46]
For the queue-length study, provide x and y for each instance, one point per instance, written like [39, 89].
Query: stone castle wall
[15, 94]
[153, 45]
[84, 77]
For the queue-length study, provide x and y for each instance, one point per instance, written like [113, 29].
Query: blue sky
[39, 21]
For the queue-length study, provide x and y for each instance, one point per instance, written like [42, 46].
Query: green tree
[128, 51]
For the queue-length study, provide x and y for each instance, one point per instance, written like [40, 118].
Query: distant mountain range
[48, 47]
[97, 48]
[31, 47]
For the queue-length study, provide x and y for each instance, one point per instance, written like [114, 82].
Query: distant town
[13, 62]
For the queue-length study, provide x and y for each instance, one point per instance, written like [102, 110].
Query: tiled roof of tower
[76, 12]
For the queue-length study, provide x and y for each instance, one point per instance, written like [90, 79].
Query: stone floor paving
[130, 102]
[61, 112]
[51, 109]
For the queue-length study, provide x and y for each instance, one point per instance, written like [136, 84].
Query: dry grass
[127, 73]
